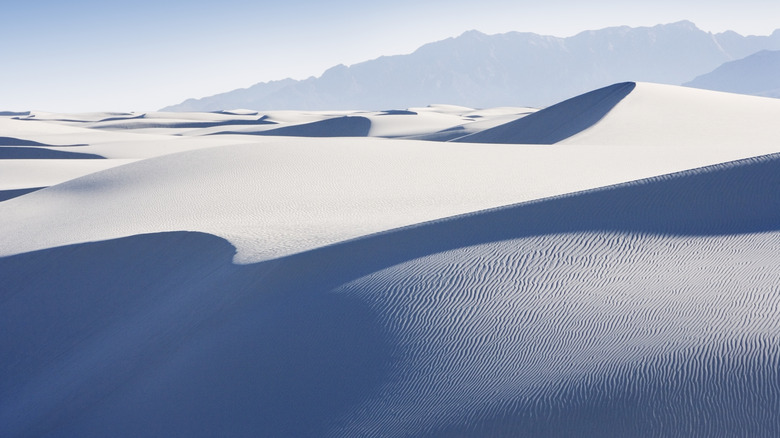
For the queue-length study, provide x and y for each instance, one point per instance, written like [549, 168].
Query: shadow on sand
[40, 153]
[13, 141]
[13, 193]
[162, 335]
[557, 122]
[347, 126]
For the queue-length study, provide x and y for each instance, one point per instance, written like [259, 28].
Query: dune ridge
[557, 122]
[345, 126]
[463, 325]
[247, 192]
[621, 282]
[27, 153]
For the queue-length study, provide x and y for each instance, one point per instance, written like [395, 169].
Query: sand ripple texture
[647, 309]
[666, 330]
[584, 334]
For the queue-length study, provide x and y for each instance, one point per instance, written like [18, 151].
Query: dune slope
[645, 114]
[622, 282]
[642, 309]
[680, 117]
[289, 195]
[557, 122]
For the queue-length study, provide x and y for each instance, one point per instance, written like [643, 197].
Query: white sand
[649, 306]
[273, 197]
[680, 117]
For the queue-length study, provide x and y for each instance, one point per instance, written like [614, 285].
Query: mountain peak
[509, 69]
[473, 33]
[683, 24]
[335, 69]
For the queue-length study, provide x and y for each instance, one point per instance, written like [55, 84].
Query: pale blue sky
[89, 55]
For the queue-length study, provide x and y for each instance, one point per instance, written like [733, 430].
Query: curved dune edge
[280, 197]
[38, 153]
[345, 126]
[644, 114]
[650, 115]
[647, 307]
[607, 285]
[17, 142]
[655, 114]
[557, 122]
[13, 193]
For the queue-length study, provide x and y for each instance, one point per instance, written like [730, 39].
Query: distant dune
[604, 267]
[557, 122]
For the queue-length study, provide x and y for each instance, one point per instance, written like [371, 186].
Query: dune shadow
[13, 193]
[442, 136]
[38, 153]
[125, 116]
[88, 332]
[236, 112]
[347, 126]
[732, 198]
[397, 113]
[163, 335]
[557, 122]
[735, 397]
[151, 123]
[13, 141]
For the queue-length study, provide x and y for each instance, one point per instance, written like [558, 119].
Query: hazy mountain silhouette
[757, 74]
[513, 68]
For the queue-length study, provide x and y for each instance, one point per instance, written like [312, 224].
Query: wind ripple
[598, 333]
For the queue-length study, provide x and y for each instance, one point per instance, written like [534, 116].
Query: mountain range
[757, 74]
[509, 69]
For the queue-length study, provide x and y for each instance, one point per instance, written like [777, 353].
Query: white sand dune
[38, 173]
[656, 114]
[643, 114]
[339, 189]
[557, 122]
[650, 306]
[623, 282]
[335, 189]
[47, 149]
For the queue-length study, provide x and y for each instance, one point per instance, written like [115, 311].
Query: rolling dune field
[604, 267]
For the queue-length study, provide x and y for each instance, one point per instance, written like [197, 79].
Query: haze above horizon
[140, 56]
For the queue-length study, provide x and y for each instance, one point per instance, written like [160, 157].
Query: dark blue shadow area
[235, 112]
[114, 117]
[397, 113]
[443, 135]
[27, 153]
[151, 123]
[13, 141]
[557, 122]
[162, 335]
[732, 198]
[347, 126]
[731, 397]
[117, 117]
[285, 365]
[10, 194]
